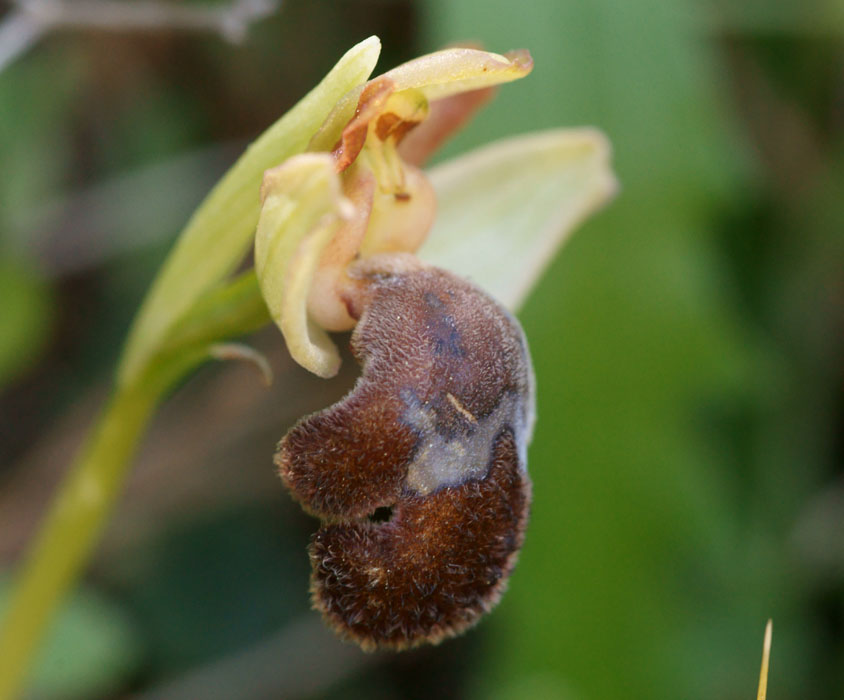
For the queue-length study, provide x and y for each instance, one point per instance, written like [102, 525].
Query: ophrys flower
[420, 474]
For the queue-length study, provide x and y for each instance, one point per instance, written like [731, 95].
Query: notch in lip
[382, 514]
[440, 564]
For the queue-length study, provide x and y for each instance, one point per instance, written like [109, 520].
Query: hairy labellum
[419, 474]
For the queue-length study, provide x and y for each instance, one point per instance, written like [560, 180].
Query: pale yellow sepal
[450, 71]
[436, 75]
[303, 205]
[504, 209]
[220, 232]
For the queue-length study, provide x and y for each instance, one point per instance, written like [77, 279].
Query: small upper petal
[450, 71]
[436, 75]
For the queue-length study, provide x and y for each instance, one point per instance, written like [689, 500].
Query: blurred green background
[688, 461]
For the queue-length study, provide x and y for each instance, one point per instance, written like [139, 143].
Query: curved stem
[70, 529]
[188, 309]
[92, 486]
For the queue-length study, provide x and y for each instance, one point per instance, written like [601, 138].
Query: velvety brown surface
[436, 429]
[433, 569]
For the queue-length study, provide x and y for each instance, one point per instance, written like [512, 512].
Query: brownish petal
[370, 105]
[435, 77]
[447, 116]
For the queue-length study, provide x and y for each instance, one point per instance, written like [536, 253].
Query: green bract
[220, 232]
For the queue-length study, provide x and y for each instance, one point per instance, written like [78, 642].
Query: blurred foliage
[687, 462]
[26, 316]
[93, 645]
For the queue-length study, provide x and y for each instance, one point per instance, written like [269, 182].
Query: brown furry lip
[419, 473]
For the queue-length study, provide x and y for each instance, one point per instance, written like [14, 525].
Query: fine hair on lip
[419, 474]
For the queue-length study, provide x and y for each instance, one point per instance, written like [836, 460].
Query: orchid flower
[419, 474]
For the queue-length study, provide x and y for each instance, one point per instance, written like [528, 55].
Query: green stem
[188, 308]
[70, 529]
[89, 491]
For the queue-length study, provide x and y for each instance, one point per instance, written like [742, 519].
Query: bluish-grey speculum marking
[452, 457]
